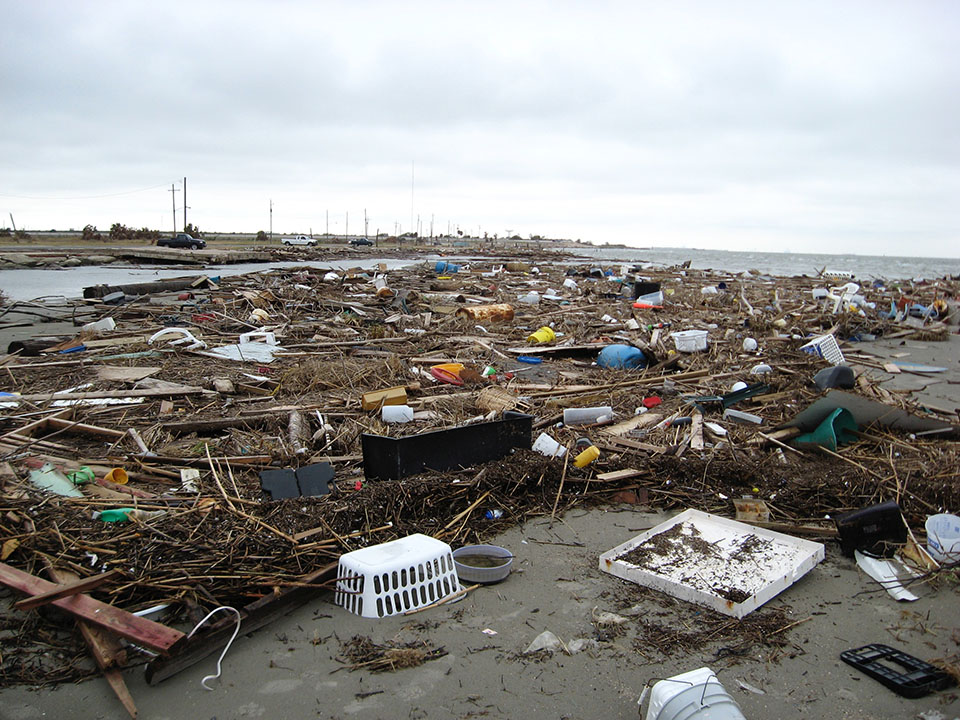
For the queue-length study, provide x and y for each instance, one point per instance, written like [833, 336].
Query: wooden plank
[616, 475]
[156, 637]
[66, 590]
[83, 428]
[696, 432]
[43, 397]
[115, 678]
[123, 373]
[105, 649]
[255, 615]
[637, 445]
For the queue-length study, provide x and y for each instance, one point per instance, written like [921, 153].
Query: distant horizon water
[782, 263]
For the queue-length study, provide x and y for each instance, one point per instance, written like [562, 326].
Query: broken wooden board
[637, 421]
[122, 373]
[104, 647]
[254, 616]
[66, 590]
[156, 637]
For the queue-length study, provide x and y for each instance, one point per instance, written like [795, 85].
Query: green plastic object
[833, 430]
[122, 515]
[81, 476]
[116, 515]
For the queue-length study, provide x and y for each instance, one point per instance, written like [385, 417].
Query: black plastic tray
[920, 678]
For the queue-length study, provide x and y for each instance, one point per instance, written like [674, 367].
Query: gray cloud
[743, 125]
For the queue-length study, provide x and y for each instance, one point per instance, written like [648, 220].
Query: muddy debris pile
[221, 442]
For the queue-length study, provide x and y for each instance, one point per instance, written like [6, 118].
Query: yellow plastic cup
[543, 335]
[586, 457]
[117, 475]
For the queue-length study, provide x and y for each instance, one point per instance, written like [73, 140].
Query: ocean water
[863, 267]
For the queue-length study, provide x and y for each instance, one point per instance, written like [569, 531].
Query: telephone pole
[173, 199]
[184, 203]
[271, 221]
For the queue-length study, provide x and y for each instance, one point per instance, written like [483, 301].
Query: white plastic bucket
[694, 695]
[690, 340]
[943, 538]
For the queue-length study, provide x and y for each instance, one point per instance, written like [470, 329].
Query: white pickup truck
[299, 240]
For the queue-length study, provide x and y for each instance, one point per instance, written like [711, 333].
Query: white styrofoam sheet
[762, 567]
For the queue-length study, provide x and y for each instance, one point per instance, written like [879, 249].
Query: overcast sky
[801, 126]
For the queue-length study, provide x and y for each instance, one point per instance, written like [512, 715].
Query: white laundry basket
[396, 576]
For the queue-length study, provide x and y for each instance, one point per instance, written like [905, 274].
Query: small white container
[397, 414]
[690, 340]
[749, 345]
[654, 298]
[105, 325]
[546, 445]
[943, 538]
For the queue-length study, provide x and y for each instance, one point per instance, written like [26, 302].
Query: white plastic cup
[943, 538]
[397, 413]
[546, 445]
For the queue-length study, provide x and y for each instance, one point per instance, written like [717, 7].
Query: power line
[83, 197]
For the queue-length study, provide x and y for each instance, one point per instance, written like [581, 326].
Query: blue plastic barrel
[621, 357]
[443, 266]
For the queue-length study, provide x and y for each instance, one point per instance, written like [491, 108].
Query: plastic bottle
[586, 457]
[494, 514]
[587, 415]
[543, 335]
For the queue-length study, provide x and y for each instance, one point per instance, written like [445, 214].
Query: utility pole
[328, 224]
[173, 199]
[184, 202]
[412, 167]
[365, 221]
[271, 221]
[13, 223]
[346, 228]
[431, 227]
